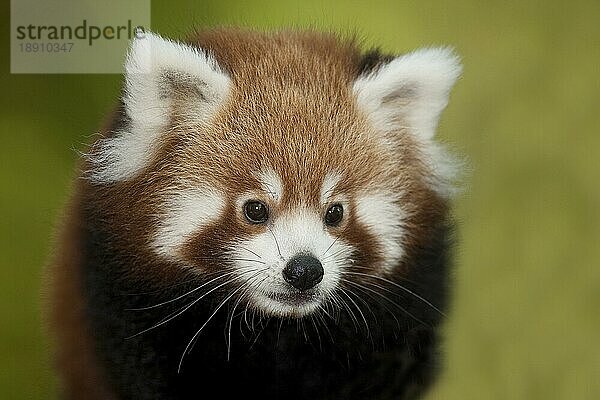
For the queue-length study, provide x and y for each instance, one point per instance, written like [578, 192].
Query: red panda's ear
[158, 70]
[410, 91]
[160, 75]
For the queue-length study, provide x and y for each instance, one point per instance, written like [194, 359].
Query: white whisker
[399, 287]
[185, 351]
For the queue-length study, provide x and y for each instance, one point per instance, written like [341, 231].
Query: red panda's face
[288, 189]
[291, 218]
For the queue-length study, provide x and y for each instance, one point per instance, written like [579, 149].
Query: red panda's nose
[303, 272]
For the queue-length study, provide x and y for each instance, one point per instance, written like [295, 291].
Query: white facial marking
[329, 183]
[187, 212]
[384, 218]
[445, 167]
[411, 92]
[153, 65]
[271, 184]
[300, 232]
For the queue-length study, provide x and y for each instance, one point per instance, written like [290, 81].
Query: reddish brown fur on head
[298, 121]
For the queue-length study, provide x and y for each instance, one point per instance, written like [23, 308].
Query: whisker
[228, 326]
[335, 308]
[399, 287]
[366, 291]
[252, 321]
[330, 246]
[246, 318]
[196, 278]
[334, 254]
[369, 334]
[261, 330]
[279, 330]
[225, 258]
[320, 318]
[203, 325]
[183, 295]
[325, 311]
[312, 320]
[371, 270]
[177, 313]
[250, 251]
[248, 288]
[368, 330]
[366, 303]
[276, 243]
[304, 330]
[332, 243]
[341, 303]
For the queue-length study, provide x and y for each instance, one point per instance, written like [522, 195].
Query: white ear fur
[156, 70]
[411, 92]
[412, 89]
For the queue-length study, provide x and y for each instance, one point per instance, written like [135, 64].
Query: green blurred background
[525, 322]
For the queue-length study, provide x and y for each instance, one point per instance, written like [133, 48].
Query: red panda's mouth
[296, 298]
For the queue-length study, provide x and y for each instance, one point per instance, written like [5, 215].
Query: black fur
[372, 60]
[286, 359]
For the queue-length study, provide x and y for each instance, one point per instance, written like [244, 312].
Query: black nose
[303, 272]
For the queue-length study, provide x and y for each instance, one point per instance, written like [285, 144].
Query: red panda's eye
[256, 211]
[334, 215]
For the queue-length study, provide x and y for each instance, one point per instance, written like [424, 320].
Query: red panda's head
[282, 166]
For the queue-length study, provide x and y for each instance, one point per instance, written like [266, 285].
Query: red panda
[265, 214]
